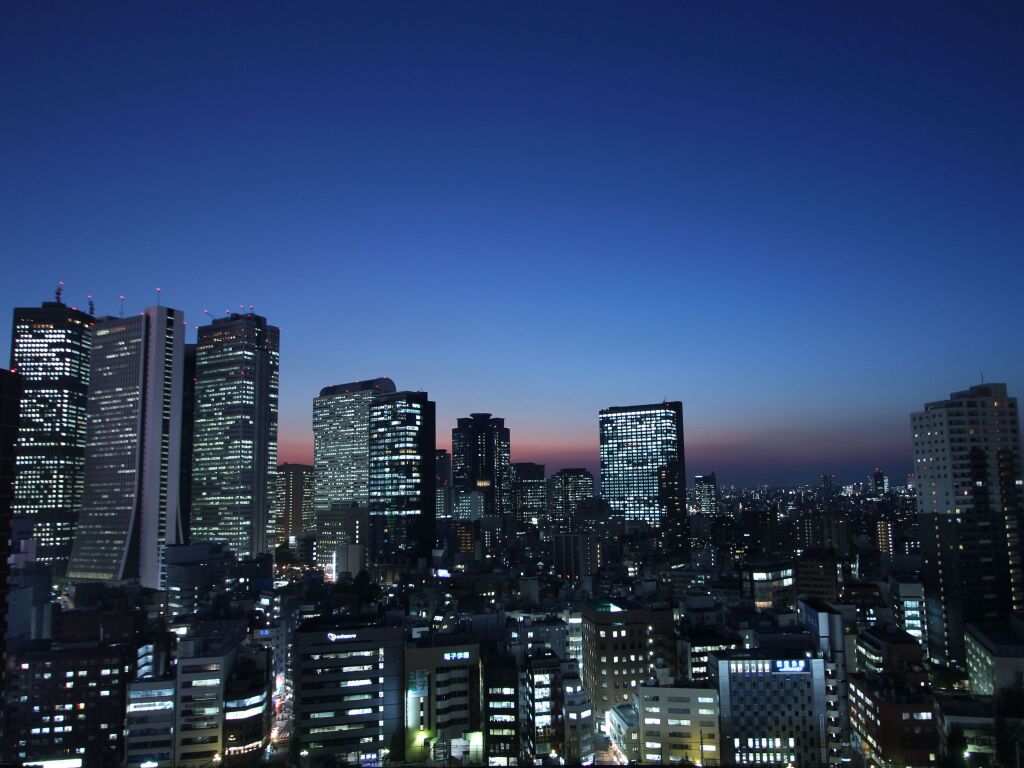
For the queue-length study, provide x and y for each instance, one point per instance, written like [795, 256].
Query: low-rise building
[678, 724]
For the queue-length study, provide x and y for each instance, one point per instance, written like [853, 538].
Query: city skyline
[745, 212]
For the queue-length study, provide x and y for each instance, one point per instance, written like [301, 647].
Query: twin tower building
[131, 440]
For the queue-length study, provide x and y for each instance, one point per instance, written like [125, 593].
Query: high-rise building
[294, 506]
[341, 457]
[481, 462]
[11, 390]
[529, 493]
[566, 489]
[638, 442]
[611, 676]
[445, 500]
[132, 453]
[706, 487]
[403, 475]
[879, 482]
[967, 457]
[234, 452]
[188, 409]
[50, 349]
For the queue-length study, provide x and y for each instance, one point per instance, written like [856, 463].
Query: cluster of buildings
[173, 596]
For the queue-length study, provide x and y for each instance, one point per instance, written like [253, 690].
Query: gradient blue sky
[802, 220]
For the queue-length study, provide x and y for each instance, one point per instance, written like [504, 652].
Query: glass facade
[50, 349]
[481, 462]
[234, 449]
[636, 443]
[402, 474]
[566, 489]
[132, 453]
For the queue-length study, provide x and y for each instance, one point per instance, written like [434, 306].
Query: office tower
[349, 683]
[11, 390]
[234, 453]
[341, 462]
[636, 442]
[445, 500]
[817, 575]
[133, 449]
[678, 723]
[50, 349]
[222, 696]
[529, 493]
[566, 489]
[706, 487]
[968, 463]
[906, 597]
[65, 703]
[481, 462]
[611, 677]
[149, 722]
[767, 583]
[443, 700]
[294, 508]
[833, 629]
[403, 475]
[879, 482]
[196, 573]
[756, 730]
[188, 410]
[575, 556]
[995, 655]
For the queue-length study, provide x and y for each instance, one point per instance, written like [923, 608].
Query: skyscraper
[706, 487]
[445, 501]
[566, 489]
[188, 409]
[529, 492]
[481, 461]
[294, 501]
[234, 450]
[341, 429]
[11, 391]
[132, 453]
[967, 458]
[637, 443]
[50, 349]
[403, 475]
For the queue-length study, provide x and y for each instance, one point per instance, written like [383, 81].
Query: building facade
[294, 509]
[967, 459]
[481, 462]
[130, 512]
[638, 443]
[234, 449]
[403, 483]
[50, 348]
[566, 489]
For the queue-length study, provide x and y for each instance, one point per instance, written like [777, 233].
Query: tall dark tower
[481, 462]
[188, 408]
[11, 392]
[50, 349]
[403, 475]
[234, 449]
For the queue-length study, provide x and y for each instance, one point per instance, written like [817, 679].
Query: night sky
[802, 220]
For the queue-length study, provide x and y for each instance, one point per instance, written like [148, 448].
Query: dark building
[567, 488]
[501, 704]
[349, 681]
[234, 452]
[575, 555]
[481, 462]
[445, 501]
[68, 701]
[529, 494]
[50, 349]
[11, 389]
[294, 509]
[402, 455]
[188, 409]
[967, 456]
[706, 487]
[817, 575]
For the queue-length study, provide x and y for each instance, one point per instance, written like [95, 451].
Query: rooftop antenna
[92, 306]
[252, 310]
[982, 376]
[122, 304]
[59, 291]
[207, 313]
[158, 297]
